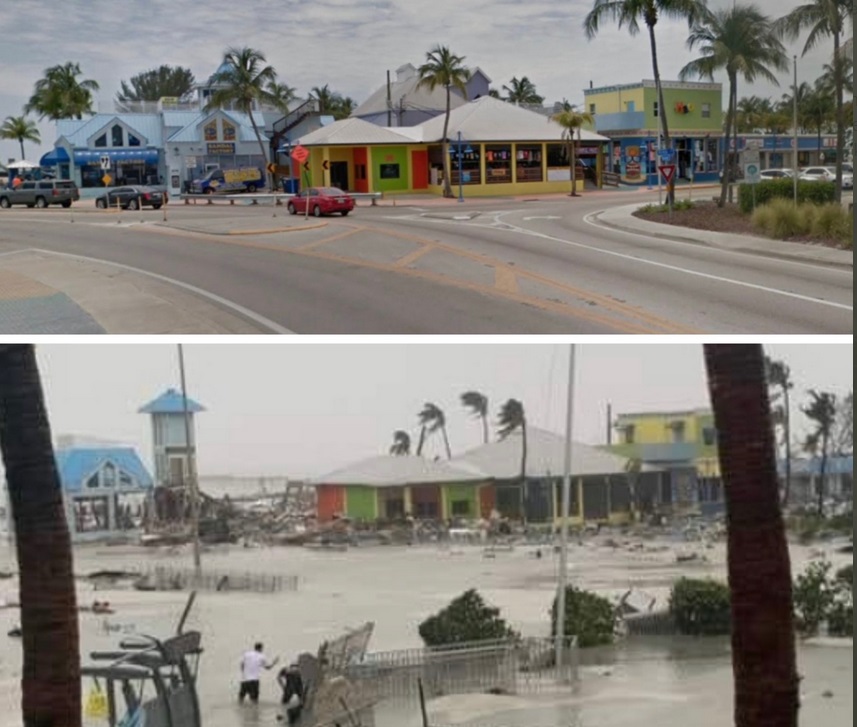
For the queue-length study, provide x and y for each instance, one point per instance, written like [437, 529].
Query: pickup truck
[245, 179]
[41, 193]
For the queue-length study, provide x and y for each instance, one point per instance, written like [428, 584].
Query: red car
[322, 201]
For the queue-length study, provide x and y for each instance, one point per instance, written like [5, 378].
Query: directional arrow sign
[325, 165]
[306, 166]
[667, 172]
[272, 168]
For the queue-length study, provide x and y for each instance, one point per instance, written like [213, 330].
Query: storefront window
[101, 140]
[498, 163]
[470, 172]
[91, 514]
[389, 171]
[116, 135]
[228, 131]
[528, 163]
[558, 161]
[211, 131]
[133, 140]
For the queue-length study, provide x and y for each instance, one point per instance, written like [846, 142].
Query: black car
[131, 198]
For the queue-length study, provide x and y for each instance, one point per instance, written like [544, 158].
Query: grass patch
[781, 219]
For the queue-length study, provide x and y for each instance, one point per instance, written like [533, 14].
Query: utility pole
[794, 130]
[389, 102]
[191, 471]
[562, 580]
[609, 424]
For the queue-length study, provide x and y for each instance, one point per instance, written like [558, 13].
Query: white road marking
[542, 217]
[235, 307]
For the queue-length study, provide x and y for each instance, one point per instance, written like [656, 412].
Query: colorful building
[629, 115]
[496, 148]
[681, 443]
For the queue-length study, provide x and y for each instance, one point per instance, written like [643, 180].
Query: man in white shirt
[252, 664]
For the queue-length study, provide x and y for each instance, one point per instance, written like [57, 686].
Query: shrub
[781, 219]
[588, 616]
[832, 221]
[770, 189]
[814, 596]
[846, 575]
[840, 620]
[466, 618]
[701, 607]
[683, 204]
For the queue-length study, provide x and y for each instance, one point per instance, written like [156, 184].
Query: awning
[149, 156]
[54, 157]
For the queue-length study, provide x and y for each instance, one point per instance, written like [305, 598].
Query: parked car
[827, 174]
[41, 193]
[321, 201]
[777, 174]
[131, 198]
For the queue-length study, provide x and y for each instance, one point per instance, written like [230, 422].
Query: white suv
[827, 174]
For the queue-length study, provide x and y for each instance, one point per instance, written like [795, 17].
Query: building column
[408, 502]
[514, 163]
[482, 165]
[444, 503]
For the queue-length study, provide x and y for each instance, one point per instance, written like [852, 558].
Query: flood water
[642, 681]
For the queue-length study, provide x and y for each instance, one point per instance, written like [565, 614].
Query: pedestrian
[252, 664]
[292, 685]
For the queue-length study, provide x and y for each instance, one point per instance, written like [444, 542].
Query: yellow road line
[412, 257]
[505, 279]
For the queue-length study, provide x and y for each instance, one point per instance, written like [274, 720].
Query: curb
[779, 254]
[231, 233]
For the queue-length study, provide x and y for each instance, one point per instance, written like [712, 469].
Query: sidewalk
[44, 293]
[621, 218]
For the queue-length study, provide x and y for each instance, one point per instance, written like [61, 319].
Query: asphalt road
[536, 267]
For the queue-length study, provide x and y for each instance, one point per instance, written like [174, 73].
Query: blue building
[169, 439]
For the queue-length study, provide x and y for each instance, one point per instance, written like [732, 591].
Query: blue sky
[349, 44]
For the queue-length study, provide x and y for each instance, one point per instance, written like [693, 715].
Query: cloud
[348, 44]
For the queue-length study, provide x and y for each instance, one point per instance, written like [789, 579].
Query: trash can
[291, 186]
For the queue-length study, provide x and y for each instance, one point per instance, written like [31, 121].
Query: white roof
[392, 471]
[545, 456]
[490, 119]
[352, 132]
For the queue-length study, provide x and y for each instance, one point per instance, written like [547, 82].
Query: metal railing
[277, 197]
[168, 578]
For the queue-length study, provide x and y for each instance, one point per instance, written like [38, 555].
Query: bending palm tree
[247, 81]
[51, 672]
[325, 97]
[822, 412]
[630, 13]
[22, 129]
[444, 68]
[281, 95]
[763, 639]
[478, 405]
[59, 95]
[780, 379]
[570, 120]
[742, 41]
[433, 419]
[512, 418]
[522, 91]
[823, 18]
[401, 445]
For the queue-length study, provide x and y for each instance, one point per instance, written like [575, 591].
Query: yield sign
[300, 154]
[667, 172]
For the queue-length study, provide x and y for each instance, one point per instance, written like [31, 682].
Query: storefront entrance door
[339, 175]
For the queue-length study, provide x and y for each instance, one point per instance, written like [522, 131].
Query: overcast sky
[349, 44]
[304, 410]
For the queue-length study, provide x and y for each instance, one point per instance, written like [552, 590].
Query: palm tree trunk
[763, 646]
[21, 141]
[447, 166]
[446, 442]
[735, 139]
[524, 488]
[484, 429]
[726, 166]
[51, 672]
[572, 155]
[662, 109]
[421, 442]
[269, 176]
[788, 434]
[821, 473]
[839, 82]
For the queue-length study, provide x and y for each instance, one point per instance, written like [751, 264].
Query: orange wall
[331, 501]
[419, 169]
[361, 158]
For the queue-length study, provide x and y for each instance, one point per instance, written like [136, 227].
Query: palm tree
[51, 671]
[630, 13]
[512, 417]
[821, 411]
[819, 109]
[824, 18]
[246, 81]
[171, 81]
[59, 95]
[570, 120]
[401, 443]
[281, 95]
[522, 91]
[751, 113]
[444, 68]
[742, 41]
[780, 381]
[478, 405]
[343, 107]
[763, 641]
[786, 105]
[325, 97]
[22, 129]
[433, 419]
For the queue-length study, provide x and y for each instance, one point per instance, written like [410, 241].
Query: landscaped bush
[588, 616]
[833, 221]
[781, 219]
[701, 607]
[466, 618]
[770, 189]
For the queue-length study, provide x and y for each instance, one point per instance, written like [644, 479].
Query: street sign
[666, 156]
[190, 161]
[272, 168]
[306, 166]
[752, 173]
[750, 156]
[107, 179]
[105, 162]
[667, 172]
[325, 165]
[300, 154]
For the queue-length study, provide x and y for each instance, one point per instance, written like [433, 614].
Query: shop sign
[220, 147]
[190, 161]
[587, 150]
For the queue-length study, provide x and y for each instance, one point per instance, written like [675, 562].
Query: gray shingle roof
[353, 131]
[408, 94]
[391, 471]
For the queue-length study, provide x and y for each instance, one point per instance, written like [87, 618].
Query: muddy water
[640, 682]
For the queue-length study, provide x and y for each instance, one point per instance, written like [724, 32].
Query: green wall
[692, 120]
[390, 155]
[462, 492]
[361, 502]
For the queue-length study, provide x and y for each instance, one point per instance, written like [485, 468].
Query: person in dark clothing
[292, 685]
